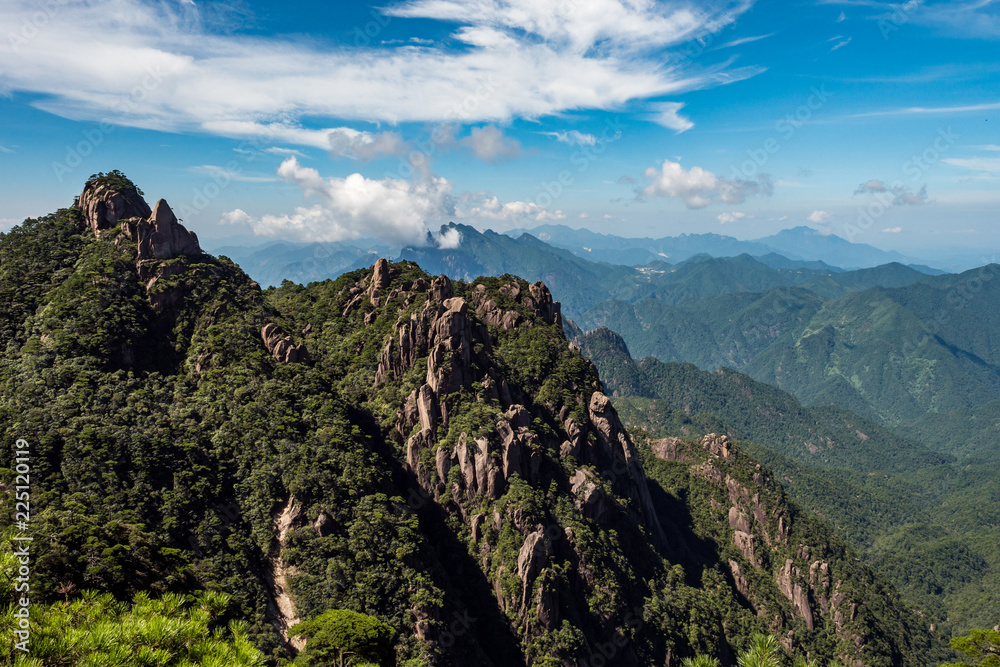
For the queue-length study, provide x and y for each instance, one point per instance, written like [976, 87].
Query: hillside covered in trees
[923, 518]
[431, 454]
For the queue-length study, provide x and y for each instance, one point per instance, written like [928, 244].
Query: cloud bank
[157, 65]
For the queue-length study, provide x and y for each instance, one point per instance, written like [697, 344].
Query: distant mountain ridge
[802, 244]
[524, 251]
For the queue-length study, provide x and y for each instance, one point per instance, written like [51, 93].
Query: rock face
[629, 477]
[157, 233]
[761, 533]
[281, 346]
[444, 340]
[104, 206]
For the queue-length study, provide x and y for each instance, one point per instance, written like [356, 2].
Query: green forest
[392, 468]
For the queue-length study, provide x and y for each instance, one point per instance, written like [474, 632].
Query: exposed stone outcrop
[379, 281]
[789, 583]
[738, 520]
[157, 234]
[668, 449]
[549, 310]
[589, 497]
[281, 346]
[717, 445]
[629, 477]
[480, 472]
[532, 558]
[104, 206]
[745, 542]
[281, 609]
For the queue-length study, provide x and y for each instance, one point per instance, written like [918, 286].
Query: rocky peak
[105, 204]
[112, 201]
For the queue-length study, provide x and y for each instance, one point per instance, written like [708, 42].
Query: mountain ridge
[406, 446]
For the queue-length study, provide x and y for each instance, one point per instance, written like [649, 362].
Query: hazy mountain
[271, 263]
[888, 342]
[799, 243]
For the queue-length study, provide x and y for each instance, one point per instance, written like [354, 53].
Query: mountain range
[430, 453]
[806, 246]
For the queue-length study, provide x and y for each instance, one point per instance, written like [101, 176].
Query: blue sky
[872, 120]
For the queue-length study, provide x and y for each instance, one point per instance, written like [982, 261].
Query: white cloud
[988, 147]
[236, 217]
[573, 137]
[157, 66]
[621, 25]
[449, 240]
[926, 111]
[841, 18]
[490, 144]
[393, 210]
[727, 218]
[901, 194]
[490, 208]
[986, 164]
[277, 150]
[666, 114]
[892, 230]
[259, 134]
[699, 187]
[962, 19]
[819, 217]
[4, 149]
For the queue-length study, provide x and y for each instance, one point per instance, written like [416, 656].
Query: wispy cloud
[572, 137]
[926, 111]
[489, 143]
[985, 164]
[668, 115]
[365, 146]
[4, 149]
[278, 150]
[237, 176]
[745, 40]
[516, 59]
[841, 44]
[729, 218]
